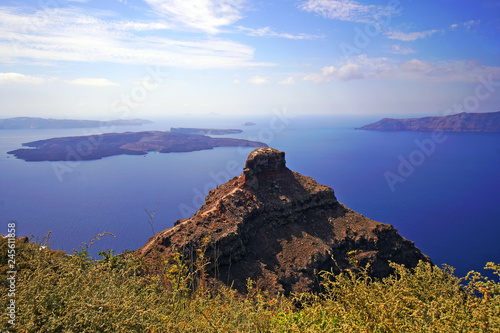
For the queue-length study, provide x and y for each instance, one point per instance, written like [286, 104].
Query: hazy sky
[147, 58]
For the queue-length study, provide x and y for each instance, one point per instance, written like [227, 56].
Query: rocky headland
[461, 122]
[43, 123]
[280, 228]
[93, 147]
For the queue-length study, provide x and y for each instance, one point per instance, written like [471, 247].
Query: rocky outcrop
[461, 122]
[280, 228]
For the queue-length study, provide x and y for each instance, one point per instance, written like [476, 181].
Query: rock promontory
[280, 228]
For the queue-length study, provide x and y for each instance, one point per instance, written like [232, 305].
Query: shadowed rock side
[279, 228]
[461, 122]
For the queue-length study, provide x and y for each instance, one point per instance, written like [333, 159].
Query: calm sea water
[446, 200]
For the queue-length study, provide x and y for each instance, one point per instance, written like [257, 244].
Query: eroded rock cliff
[280, 228]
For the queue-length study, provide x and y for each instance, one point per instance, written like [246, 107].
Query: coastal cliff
[461, 122]
[280, 229]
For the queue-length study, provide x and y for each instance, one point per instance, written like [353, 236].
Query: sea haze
[448, 205]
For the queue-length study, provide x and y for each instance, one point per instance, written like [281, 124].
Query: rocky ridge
[280, 228]
[460, 122]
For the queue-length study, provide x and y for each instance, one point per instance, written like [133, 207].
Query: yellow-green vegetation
[56, 292]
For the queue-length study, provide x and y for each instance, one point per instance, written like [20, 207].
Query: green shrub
[56, 292]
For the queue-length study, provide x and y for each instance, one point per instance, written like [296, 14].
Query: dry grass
[56, 292]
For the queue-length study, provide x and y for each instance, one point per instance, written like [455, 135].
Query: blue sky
[153, 58]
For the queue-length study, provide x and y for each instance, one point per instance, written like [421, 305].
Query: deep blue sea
[441, 192]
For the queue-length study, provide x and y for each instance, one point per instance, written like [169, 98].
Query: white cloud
[409, 36]
[467, 25]
[70, 35]
[324, 76]
[288, 81]
[142, 26]
[443, 71]
[347, 72]
[98, 82]
[398, 49]
[236, 81]
[416, 65]
[345, 10]
[258, 80]
[412, 70]
[10, 78]
[268, 32]
[204, 15]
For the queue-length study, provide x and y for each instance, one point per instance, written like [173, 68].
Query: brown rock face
[280, 228]
[262, 163]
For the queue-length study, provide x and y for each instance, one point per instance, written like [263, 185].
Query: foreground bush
[56, 292]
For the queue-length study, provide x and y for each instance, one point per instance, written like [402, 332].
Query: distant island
[94, 147]
[44, 123]
[248, 123]
[461, 122]
[204, 131]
